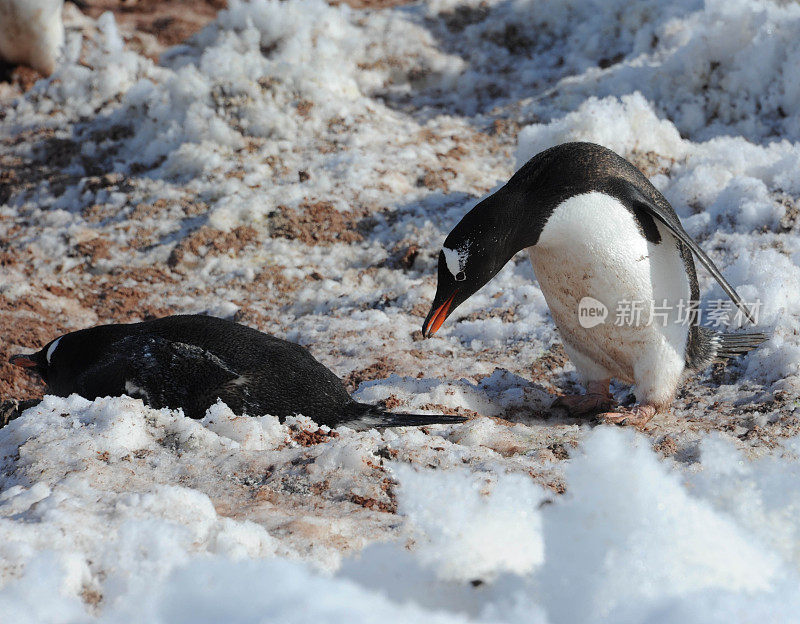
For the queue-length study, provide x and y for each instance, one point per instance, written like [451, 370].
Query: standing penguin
[597, 233]
[190, 361]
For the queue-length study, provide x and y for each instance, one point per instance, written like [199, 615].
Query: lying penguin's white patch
[32, 33]
[132, 390]
[52, 349]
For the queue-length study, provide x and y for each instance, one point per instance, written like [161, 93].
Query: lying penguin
[595, 228]
[190, 361]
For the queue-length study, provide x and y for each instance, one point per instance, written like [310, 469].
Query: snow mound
[128, 512]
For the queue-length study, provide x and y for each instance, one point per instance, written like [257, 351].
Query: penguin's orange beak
[437, 317]
[22, 360]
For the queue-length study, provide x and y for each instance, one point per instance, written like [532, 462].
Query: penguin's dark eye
[461, 276]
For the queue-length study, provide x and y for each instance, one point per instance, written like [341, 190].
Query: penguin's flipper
[363, 416]
[673, 224]
[161, 372]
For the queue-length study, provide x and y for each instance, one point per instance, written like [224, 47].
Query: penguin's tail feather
[733, 345]
[711, 346]
[363, 416]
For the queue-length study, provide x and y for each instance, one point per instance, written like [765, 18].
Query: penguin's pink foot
[596, 399]
[637, 416]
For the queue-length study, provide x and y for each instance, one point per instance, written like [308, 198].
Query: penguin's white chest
[591, 248]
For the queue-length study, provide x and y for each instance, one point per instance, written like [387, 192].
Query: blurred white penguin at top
[31, 33]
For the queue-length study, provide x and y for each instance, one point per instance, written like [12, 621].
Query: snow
[398, 121]
[640, 537]
[145, 508]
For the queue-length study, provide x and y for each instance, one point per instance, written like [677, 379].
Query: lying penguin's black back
[190, 361]
[264, 370]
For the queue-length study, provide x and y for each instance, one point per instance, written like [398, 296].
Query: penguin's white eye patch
[456, 260]
[52, 349]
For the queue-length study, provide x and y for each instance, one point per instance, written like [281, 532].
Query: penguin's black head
[37, 363]
[59, 361]
[472, 254]
[62, 361]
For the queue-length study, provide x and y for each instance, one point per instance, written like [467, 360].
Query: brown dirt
[391, 402]
[207, 241]
[91, 596]
[556, 484]
[316, 223]
[504, 314]
[303, 437]
[52, 155]
[553, 359]
[791, 216]
[15, 381]
[402, 256]
[113, 299]
[95, 249]
[169, 21]
[18, 76]
[274, 279]
[373, 504]
[25, 326]
[380, 369]
[420, 309]
[123, 304]
[666, 447]
[450, 411]
[438, 179]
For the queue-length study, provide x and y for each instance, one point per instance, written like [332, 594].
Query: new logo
[591, 312]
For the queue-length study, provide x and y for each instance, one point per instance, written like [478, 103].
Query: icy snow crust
[400, 120]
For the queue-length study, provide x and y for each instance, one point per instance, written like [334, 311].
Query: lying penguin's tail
[709, 346]
[363, 416]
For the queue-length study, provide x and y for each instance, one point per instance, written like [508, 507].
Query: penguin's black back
[570, 169]
[189, 361]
